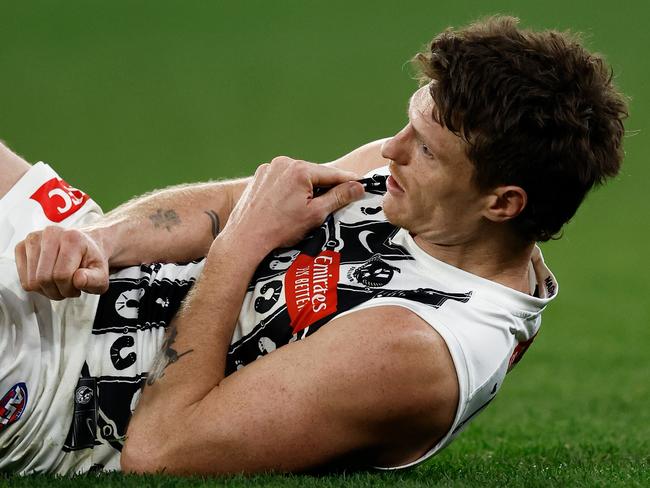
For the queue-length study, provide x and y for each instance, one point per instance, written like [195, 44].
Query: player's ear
[505, 203]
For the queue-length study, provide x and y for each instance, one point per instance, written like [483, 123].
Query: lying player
[424, 286]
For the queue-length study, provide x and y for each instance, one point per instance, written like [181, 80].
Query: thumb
[341, 195]
[91, 280]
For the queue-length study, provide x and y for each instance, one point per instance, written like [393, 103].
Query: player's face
[430, 191]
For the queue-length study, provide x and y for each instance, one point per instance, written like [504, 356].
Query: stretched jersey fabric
[355, 260]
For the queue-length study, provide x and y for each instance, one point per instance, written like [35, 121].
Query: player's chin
[393, 211]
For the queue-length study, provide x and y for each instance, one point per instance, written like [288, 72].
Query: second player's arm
[172, 225]
[180, 223]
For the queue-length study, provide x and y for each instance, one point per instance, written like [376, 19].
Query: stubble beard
[392, 214]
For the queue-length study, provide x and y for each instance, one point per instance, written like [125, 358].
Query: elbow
[153, 454]
[141, 459]
[143, 452]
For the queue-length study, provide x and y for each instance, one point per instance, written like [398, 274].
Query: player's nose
[396, 148]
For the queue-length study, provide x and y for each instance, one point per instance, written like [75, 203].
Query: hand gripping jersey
[355, 260]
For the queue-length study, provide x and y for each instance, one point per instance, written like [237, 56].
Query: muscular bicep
[358, 386]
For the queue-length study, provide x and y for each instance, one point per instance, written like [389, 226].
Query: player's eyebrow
[408, 115]
[424, 140]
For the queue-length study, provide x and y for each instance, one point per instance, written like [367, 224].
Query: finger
[339, 196]
[44, 275]
[91, 280]
[260, 172]
[71, 253]
[32, 255]
[21, 263]
[259, 176]
[326, 176]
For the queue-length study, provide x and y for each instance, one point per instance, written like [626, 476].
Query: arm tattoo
[165, 218]
[165, 357]
[214, 218]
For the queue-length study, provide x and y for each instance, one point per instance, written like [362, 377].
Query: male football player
[365, 326]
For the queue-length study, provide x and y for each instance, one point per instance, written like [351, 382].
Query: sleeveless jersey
[355, 260]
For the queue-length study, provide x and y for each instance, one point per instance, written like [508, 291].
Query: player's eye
[427, 152]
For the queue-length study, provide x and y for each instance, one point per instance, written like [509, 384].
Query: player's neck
[496, 256]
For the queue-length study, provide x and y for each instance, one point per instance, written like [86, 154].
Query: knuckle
[299, 171]
[262, 168]
[33, 237]
[52, 230]
[71, 236]
[279, 160]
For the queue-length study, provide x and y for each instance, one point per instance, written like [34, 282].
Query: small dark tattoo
[165, 218]
[167, 355]
[214, 218]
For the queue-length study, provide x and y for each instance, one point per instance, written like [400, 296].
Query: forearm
[198, 339]
[180, 223]
[171, 225]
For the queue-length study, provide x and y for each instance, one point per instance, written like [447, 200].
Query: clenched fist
[61, 263]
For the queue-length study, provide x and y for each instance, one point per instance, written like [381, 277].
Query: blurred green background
[123, 97]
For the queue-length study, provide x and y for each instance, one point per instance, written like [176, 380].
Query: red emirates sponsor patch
[310, 288]
[12, 405]
[58, 199]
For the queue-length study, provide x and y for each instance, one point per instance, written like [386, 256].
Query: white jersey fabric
[75, 367]
[71, 371]
[42, 343]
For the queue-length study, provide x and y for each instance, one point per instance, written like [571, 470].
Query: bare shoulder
[410, 387]
[362, 159]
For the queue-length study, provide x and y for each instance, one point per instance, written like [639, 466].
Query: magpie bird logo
[373, 273]
[128, 303]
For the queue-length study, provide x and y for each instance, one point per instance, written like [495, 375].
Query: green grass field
[123, 97]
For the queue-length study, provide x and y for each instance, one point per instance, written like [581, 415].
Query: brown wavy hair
[536, 109]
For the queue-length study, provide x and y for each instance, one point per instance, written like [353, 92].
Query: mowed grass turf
[125, 97]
